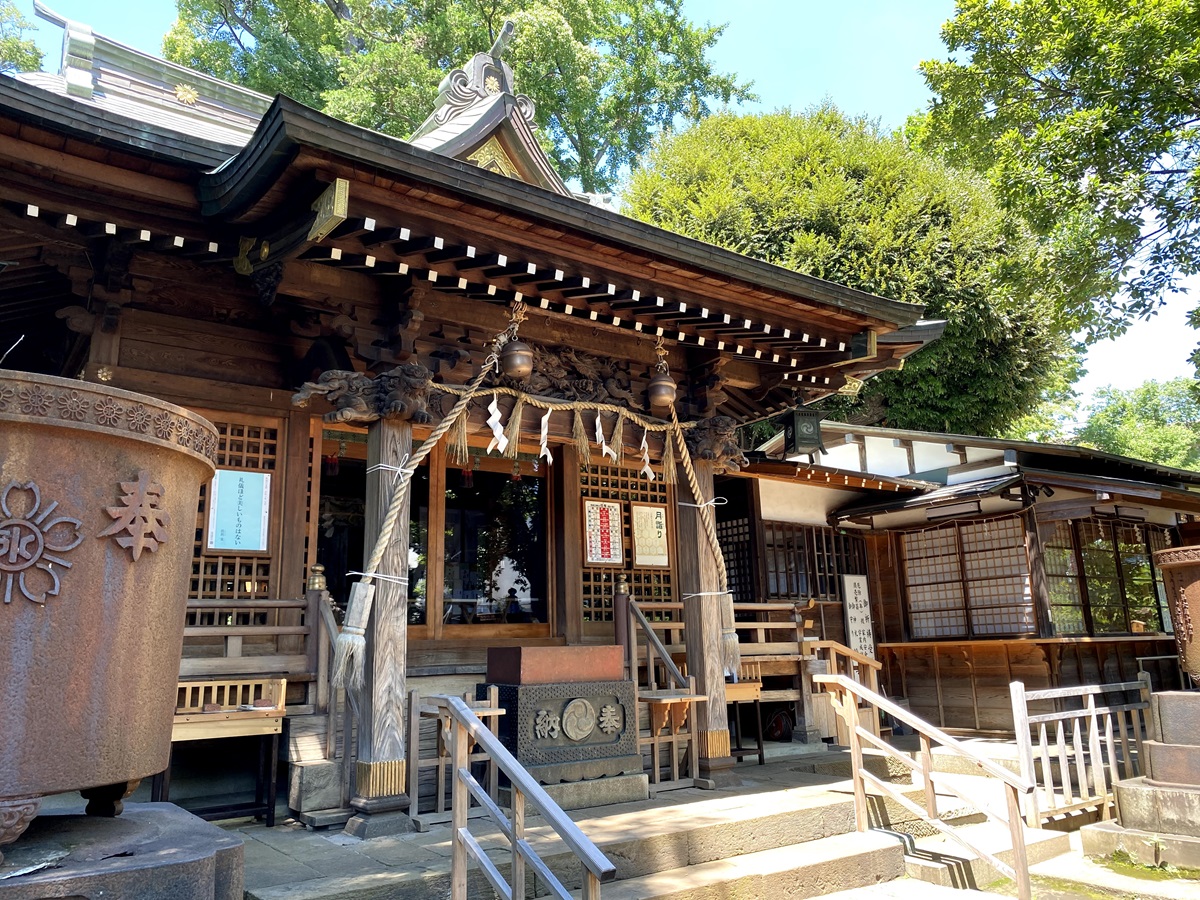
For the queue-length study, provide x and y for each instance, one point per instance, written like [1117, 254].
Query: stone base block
[153, 851]
[325, 818]
[315, 785]
[1148, 848]
[570, 731]
[1176, 716]
[379, 817]
[1173, 764]
[1158, 808]
[597, 792]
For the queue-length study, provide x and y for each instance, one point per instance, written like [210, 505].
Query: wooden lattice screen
[966, 579]
[806, 562]
[627, 486]
[735, 537]
[252, 444]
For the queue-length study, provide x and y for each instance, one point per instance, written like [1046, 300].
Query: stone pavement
[290, 861]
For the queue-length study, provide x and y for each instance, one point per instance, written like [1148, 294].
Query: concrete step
[1074, 876]
[812, 869]
[907, 889]
[641, 839]
[943, 861]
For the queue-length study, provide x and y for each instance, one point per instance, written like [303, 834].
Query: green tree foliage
[17, 52]
[1083, 114]
[837, 198]
[606, 75]
[1158, 422]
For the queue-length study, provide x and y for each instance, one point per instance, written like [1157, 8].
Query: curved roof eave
[288, 126]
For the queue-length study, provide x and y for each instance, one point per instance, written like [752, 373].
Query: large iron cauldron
[98, 494]
[1180, 569]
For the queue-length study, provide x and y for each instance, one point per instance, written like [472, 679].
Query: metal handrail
[1014, 785]
[467, 729]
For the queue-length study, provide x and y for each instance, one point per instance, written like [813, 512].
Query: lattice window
[997, 576]
[627, 486]
[1062, 581]
[1118, 589]
[250, 444]
[803, 562]
[969, 578]
[734, 536]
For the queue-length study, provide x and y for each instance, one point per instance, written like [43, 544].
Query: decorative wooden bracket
[288, 235]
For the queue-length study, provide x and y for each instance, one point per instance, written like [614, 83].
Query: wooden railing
[838, 659]
[657, 655]
[848, 695]
[467, 729]
[341, 706]
[1081, 751]
[244, 638]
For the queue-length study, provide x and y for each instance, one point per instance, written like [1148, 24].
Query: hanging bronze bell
[662, 390]
[516, 360]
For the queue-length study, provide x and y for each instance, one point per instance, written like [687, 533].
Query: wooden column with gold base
[702, 625]
[380, 801]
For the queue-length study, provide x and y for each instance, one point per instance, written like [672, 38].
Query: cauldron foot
[105, 801]
[15, 815]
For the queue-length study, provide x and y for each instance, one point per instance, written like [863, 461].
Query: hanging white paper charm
[499, 441]
[646, 470]
[605, 450]
[545, 449]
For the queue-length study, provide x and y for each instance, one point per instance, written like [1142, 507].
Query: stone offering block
[555, 665]
[1176, 716]
[155, 851]
[1172, 764]
[570, 731]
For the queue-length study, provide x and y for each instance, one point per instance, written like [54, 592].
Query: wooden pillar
[569, 547]
[380, 773]
[702, 623]
[1039, 588]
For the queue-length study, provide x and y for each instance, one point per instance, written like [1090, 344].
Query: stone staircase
[781, 830]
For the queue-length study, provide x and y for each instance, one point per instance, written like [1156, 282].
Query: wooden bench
[244, 707]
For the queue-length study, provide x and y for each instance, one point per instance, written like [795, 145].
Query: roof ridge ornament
[502, 40]
[483, 77]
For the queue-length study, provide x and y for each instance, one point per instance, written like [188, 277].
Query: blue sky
[861, 54]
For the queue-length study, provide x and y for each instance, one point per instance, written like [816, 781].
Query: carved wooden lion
[351, 393]
[404, 393]
[716, 439]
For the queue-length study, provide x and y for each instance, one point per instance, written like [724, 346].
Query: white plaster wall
[885, 458]
[784, 501]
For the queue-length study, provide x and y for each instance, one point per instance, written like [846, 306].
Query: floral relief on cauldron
[73, 405]
[546, 725]
[35, 401]
[6, 396]
[164, 426]
[579, 719]
[32, 541]
[109, 412]
[139, 419]
[140, 521]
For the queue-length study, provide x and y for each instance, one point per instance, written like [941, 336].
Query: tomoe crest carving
[32, 541]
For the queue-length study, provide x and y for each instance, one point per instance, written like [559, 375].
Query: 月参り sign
[238, 505]
[650, 535]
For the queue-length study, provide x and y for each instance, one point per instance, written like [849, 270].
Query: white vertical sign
[860, 635]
